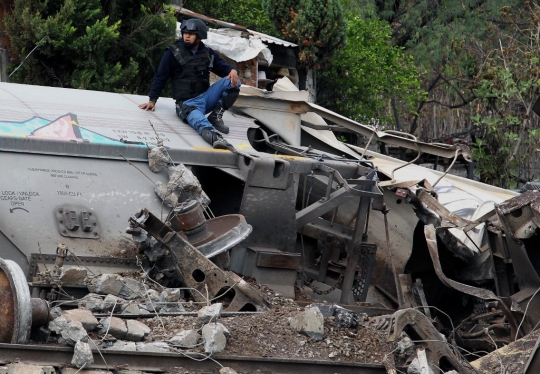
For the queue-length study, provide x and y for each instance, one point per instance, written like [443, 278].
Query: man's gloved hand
[148, 106]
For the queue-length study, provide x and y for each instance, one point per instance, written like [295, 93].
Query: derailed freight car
[329, 221]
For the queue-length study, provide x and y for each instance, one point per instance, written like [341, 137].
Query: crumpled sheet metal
[431, 239]
[435, 345]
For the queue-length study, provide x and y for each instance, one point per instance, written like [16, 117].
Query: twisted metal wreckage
[448, 263]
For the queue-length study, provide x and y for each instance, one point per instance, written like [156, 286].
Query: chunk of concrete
[75, 275]
[310, 322]
[55, 312]
[215, 337]
[209, 313]
[155, 347]
[171, 295]
[185, 339]
[58, 324]
[114, 326]
[136, 331]
[153, 303]
[131, 308]
[112, 303]
[84, 316]
[93, 302]
[132, 289]
[226, 370]
[82, 355]
[19, 368]
[157, 158]
[73, 332]
[107, 284]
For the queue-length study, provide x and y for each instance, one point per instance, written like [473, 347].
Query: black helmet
[194, 26]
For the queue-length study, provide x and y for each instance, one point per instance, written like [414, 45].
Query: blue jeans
[205, 102]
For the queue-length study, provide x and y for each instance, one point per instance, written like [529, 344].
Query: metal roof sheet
[264, 37]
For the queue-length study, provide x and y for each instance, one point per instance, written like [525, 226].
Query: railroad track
[48, 355]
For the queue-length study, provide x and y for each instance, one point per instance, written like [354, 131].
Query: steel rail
[48, 355]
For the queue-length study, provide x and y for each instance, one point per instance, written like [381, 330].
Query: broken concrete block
[84, 316]
[114, 326]
[157, 158]
[226, 370]
[73, 332]
[93, 302]
[55, 312]
[416, 367]
[143, 308]
[171, 295]
[153, 303]
[184, 178]
[345, 317]
[215, 337]
[156, 347]
[112, 303]
[310, 322]
[136, 331]
[166, 193]
[131, 308]
[185, 339]
[132, 289]
[75, 275]
[19, 368]
[209, 313]
[58, 324]
[82, 355]
[107, 284]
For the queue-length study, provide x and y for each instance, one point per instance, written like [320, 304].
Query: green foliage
[367, 73]
[318, 27]
[248, 13]
[89, 44]
[507, 88]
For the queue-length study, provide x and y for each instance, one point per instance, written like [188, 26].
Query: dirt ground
[269, 335]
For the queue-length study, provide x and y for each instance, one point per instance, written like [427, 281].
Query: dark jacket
[169, 67]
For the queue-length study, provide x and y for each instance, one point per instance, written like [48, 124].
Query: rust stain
[7, 309]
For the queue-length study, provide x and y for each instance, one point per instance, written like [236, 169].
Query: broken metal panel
[417, 326]
[196, 271]
[521, 214]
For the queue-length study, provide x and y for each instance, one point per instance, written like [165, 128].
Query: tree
[446, 38]
[88, 44]
[369, 73]
[318, 27]
[247, 13]
[507, 89]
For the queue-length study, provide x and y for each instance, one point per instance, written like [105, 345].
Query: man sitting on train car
[188, 63]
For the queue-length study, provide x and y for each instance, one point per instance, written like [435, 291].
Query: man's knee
[183, 111]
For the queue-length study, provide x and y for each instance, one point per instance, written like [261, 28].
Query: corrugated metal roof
[264, 37]
[271, 39]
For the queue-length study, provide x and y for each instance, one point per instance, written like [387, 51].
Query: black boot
[215, 139]
[216, 119]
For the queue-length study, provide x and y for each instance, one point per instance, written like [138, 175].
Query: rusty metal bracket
[423, 333]
[198, 272]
